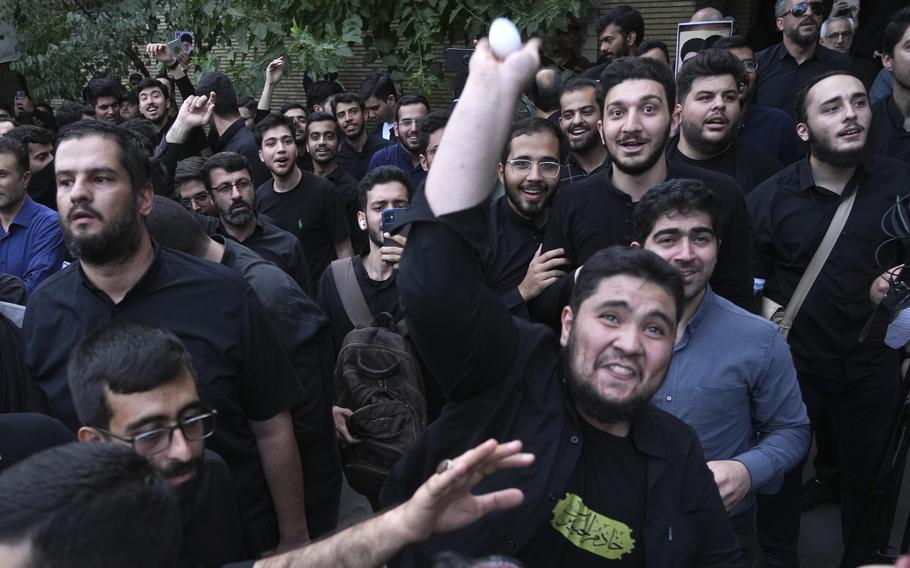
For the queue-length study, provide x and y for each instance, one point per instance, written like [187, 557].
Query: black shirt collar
[138, 287]
[231, 132]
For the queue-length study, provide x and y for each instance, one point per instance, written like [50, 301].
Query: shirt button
[669, 398]
[574, 439]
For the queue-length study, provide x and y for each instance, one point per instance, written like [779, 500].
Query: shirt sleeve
[779, 414]
[334, 215]
[46, 253]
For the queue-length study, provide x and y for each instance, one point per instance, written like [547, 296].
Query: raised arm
[273, 75]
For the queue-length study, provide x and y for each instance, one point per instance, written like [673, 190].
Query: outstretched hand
[445, 502]
[518, 67]
[274, 71]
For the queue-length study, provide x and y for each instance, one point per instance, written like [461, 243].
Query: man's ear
[423, 162]
[780, 24]
[89, 434]
[391, 100]
[501, 171]
[632, 39]
[802, 131]
[676, 118]
[567, 318]
[888, 62]
[635, 245]
[362, 221]
[261, 159]
[145, 199]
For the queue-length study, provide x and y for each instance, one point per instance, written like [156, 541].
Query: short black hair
[121, 357]
[228, 161]
[172, 226]
[431, 123]
[897, 27]
[150, 82]
[321, 91]
[347, 97]
[735, 41]
[15, 148]
[132, 155]
[626, 18]
[70, 112]
[380, 175]
[271, 121]
[801, 105]
[250, 103]
[545, 94]
[90, 504]
[634, 68]
[225, 94]
[409, 100]
[171, 84]
[143, 131]
[650, 44]
[288, 106]
[378, 84]
[625, 261]
[188, 169]
[131, 97]
[533, 125]
[31, 134]
[578, 83]
[321, 116]
[186, 37]
[709, 63]
[680, 195]
[101, 87]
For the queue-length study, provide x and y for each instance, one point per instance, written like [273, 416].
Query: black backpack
[379, 378]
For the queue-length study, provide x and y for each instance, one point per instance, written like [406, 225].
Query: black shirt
[346, 185]
[240, 369]
[780, 78]
[238, 138]
[25, 433]
[772, 130]
[313, 212]
[280, 248]
[790, 216]
[886, 133]
[594, 214]
[502, 378]
[601, 515]
[748, 165]
[357, 163]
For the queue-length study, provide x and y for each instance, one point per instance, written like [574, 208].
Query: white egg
[504, 37]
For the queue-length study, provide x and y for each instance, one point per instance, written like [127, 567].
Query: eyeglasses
[241, 185]
[523, 167]
[200, 199]
[197, 427]
[800, 8]
[409, 122]
[749, 65]
[839, 36]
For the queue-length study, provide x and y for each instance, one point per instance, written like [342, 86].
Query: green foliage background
[65, 42]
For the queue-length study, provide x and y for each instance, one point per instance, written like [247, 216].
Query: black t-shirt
[346, 184]
[599, 520]
[313, 212]
[25, 433]
[281, 248]
[745, 163]
[887, 135]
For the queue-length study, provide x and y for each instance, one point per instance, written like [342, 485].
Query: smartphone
[390, 218]
[174, 46]
[456, 59]
[20, 94]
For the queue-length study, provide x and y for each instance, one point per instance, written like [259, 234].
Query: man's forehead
[674, 220]
[637, 293]
[611, 30]
[634, 90]
[713, 83]
[103, 151]
[342, 107]
[222, 175]
[836, 86]
[534, 143]
[584, 96]
[412, 110]
[152, 89]
[322, 126]
[389, 191]
[280, 131]
[191, 187]
[294, 112]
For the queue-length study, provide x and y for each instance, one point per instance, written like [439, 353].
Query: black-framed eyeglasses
[800, 8]
[241, 185]
[522, 167]
[200, 199]
[839, 36]
[196, 427]
[749, 65]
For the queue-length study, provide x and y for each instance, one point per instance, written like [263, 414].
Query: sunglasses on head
[800, 8]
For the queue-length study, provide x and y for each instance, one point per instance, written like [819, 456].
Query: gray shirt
[731, 378]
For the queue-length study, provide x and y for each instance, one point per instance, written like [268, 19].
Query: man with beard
[596, 212]
[102, 95]
[851, 387]
[155, 105]
[529, 171]
[732, 375]
[297, 113]
[226, 178]
[306, 206]
[784, 69]
[579, 117]
[405, 155]
[31, 244]
[358, 146]
[129, 106]
[103, 196]
[322, 135]
[431, 130]
[613, 476]
[380, 97]
[620, 31]
[190, 188]
[890, 131]
[39, 142]
[134, 385]
[709, 110]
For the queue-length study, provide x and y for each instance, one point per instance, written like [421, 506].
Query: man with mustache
[405, 155]
[358, 146]
[133, 385]
[850, 387]
[708, 112]
[785, 68]
[619, 32]
[580, 106]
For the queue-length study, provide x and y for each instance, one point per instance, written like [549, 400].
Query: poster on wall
[692, 37]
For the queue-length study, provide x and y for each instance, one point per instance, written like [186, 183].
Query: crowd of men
[594, 267]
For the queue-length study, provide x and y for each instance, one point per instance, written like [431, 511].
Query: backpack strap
[355, 305]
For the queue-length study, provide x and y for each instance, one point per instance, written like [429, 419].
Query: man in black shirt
[709, 111]
[190, 188]
[580, 107]
[850, 386]
[358, 146]
[529, 170]
[652, 496]
[133, 384]
[619, 32]
[226, 176]
[322, 145]
[787, 67]
[299, 202]
[103, 196]
[890, 131]
[155, 104]
[597, 212]
[431, 130]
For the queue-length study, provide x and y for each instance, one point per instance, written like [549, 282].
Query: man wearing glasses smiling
[785, 68]
[133, 384]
